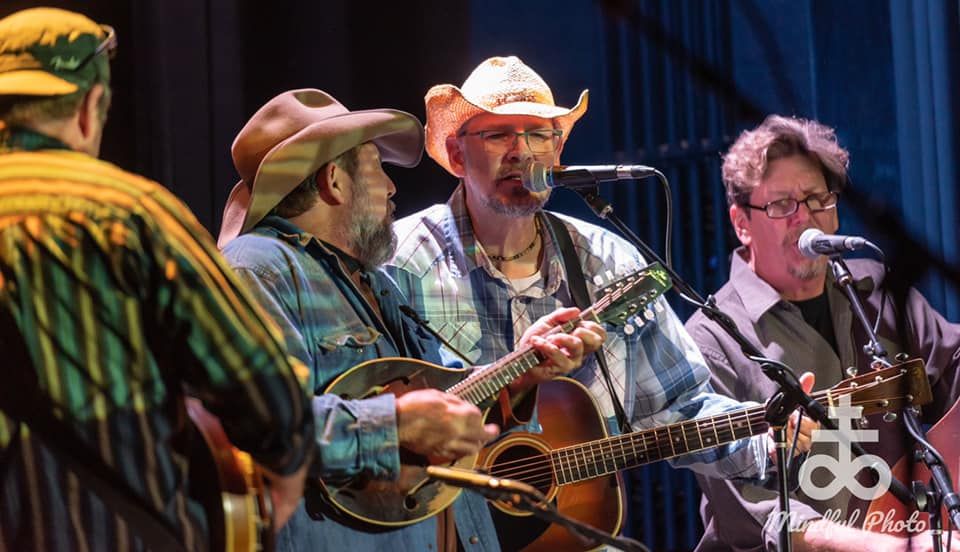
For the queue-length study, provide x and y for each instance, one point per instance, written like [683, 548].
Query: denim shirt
[328, 324]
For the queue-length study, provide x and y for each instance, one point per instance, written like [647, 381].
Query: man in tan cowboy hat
[113, 298]
[486, 264]
[307, 227]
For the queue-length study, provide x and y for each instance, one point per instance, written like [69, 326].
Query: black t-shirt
[816, 312]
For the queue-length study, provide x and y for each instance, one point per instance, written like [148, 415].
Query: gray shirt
[736, 515]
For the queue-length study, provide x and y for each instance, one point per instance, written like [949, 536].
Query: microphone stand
[941, 491]
[788, 397]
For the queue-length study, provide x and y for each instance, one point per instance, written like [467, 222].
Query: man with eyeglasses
[782, 178]
[113, 299]
[483, 266]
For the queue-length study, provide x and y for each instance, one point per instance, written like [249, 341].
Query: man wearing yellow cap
[113, 298]
[485, 264]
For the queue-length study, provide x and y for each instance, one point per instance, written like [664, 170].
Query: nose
[391, 188]
[520, 150]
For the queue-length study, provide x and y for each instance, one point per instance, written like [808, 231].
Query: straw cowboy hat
[500, 85]
[295, 134]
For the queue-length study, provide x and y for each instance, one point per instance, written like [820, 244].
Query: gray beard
[808, 272]
[514, 209]
[373, 241]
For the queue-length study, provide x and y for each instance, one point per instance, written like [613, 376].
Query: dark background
[672, 83]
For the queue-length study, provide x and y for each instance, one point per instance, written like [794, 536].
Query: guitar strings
[472, 389]
[541, 473]
[580, 452]
[522, 469]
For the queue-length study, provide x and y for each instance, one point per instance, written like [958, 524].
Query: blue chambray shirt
[657, 370]
[328, 325]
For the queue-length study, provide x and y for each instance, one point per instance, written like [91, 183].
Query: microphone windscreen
[805, 243]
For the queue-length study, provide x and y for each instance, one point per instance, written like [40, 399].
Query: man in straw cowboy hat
[307, 227]
[112, 298]
[485, 264]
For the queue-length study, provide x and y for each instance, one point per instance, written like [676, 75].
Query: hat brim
[448, 109]
[398, 136]
[34, 82]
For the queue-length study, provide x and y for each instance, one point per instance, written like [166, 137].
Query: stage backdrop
[672, 83]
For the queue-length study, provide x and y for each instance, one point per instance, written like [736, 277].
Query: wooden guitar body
[598, 502]
[230, 487]
[577, 466]
[945, 437]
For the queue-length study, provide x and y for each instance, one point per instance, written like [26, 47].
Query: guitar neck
[488, 381]
[612, 454]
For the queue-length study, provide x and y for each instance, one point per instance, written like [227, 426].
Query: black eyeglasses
[544, 140]
[781, 208]
[109, 44]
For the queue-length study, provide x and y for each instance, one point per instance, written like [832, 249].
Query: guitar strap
[23, 400]
[578, 290]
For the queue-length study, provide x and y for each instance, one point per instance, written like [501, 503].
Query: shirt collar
[755, 293]
[25, 139]
[463, 247]
[758, 296]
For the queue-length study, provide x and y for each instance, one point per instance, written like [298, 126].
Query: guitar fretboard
[605, 456]
[487, 382]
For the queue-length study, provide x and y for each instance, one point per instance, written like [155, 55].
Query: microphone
[539, 178]
[814, 242]
[477, 481]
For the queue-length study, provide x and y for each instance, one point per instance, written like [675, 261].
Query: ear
[331, 186]
[455, 156]
[741, 224]
[89, 112]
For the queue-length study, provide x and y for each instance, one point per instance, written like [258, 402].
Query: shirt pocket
[462, 331]
[340, 351]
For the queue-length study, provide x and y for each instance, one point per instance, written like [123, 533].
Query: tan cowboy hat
[295, 134]
[500, 85]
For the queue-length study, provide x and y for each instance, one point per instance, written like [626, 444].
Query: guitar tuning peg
[597, 280]
[648, 314]
[629, 329]
[890, 417]
[851, 371]
[864, 423]
[658, 307]
[609, 275]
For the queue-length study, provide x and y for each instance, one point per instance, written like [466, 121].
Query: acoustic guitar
[890, 515]
[575, 465]
[230, 488]
[414, 496]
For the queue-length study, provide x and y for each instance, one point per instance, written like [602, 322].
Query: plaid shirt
[115, 295]
[330, 326]
[451, 282]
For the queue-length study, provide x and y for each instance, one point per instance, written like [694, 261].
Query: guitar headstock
[887, 390]
[631, 295]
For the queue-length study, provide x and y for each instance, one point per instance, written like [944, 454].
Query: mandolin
[414, 496]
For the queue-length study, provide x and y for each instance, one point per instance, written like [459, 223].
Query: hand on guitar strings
[800, 437]
[440, 425]
[562, 352]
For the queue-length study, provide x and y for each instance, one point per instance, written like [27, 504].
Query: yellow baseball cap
[51, 52]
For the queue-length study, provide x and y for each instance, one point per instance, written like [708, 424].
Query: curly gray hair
[778, 137]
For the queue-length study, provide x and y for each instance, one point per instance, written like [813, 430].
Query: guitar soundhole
[527, 464]
[411, 503]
